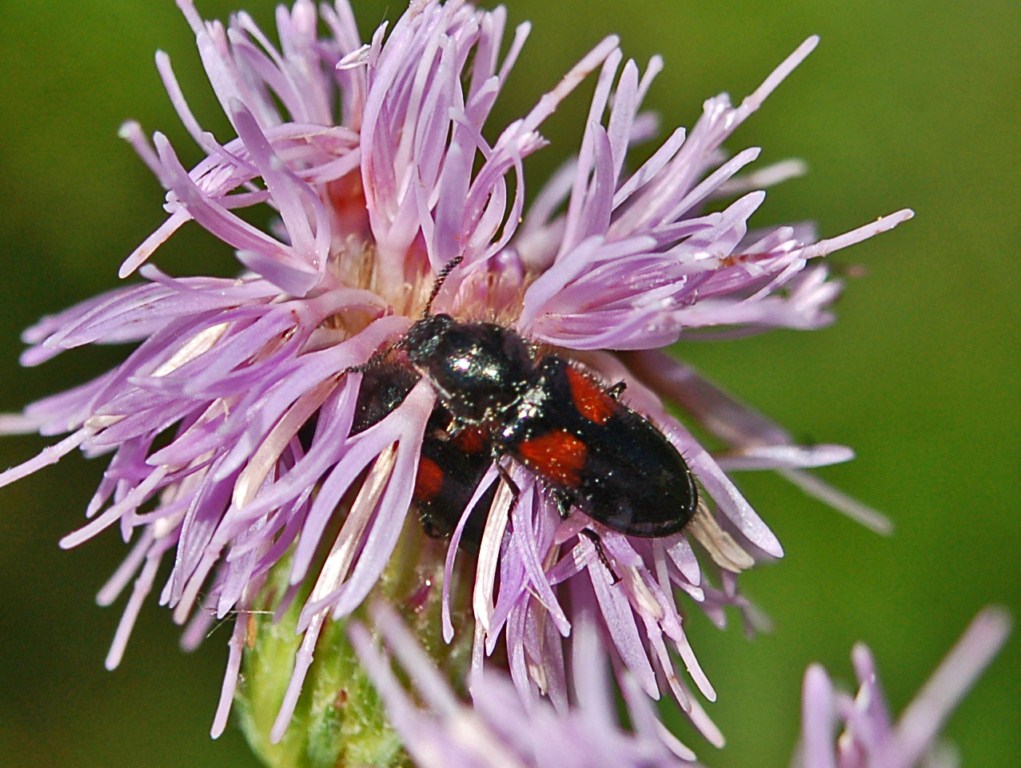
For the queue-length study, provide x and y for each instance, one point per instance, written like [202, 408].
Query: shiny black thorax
[477, 369]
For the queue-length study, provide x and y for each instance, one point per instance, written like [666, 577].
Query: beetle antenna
[377, 357]
[380, 355]
[441, 278]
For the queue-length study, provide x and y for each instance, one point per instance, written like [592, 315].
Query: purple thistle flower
[868, 737]
[230, 424]
[497, 730]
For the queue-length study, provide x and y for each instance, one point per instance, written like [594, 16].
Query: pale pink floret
[497, 728]
[840, 730]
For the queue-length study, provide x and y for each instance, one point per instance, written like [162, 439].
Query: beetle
[499, 396]
[451, 464]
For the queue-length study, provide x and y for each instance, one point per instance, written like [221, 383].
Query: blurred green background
[904, 104]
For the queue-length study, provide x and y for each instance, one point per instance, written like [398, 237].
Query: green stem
[339, 720]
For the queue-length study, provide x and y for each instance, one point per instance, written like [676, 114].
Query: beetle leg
[511, 486]
[564, 509]
[592, 536]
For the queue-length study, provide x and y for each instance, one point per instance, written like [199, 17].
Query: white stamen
[720, 545]
[201, 342]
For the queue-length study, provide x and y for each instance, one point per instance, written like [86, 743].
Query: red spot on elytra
[470, 440]
[429, 479]
[557, 455]
[589, 398]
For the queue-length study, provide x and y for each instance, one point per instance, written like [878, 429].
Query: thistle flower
[868, 736]
[230, 425]
[497, 729]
